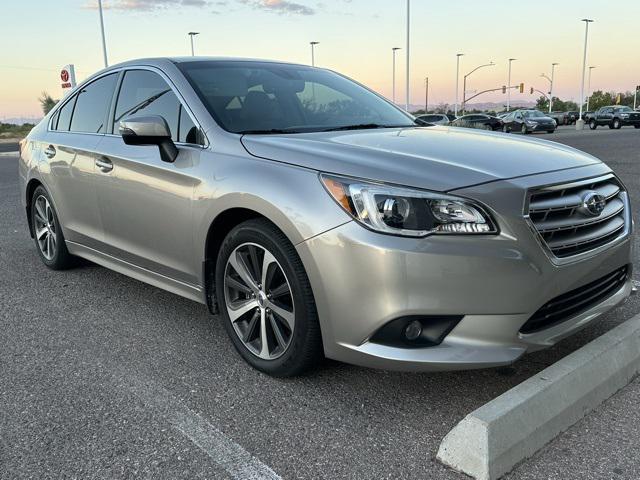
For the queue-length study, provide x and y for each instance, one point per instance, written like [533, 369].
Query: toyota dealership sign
[67, 78]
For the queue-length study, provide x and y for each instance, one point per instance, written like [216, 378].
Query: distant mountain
[20, 120]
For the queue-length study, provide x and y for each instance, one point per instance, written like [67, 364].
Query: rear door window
[92, 104]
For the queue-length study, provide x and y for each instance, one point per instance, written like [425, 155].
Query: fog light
[413, 330]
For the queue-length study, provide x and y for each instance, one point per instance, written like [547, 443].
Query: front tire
[266, 300]
[616, 124]
[47, 232]
[505, 129]
[523, 129]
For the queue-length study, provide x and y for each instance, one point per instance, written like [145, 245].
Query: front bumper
[541, 127]
[361, 280]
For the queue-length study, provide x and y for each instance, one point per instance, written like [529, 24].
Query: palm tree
[46, 102]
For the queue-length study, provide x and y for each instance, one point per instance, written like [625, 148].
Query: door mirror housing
[151, 130]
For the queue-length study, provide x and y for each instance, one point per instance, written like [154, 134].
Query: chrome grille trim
[565, 230]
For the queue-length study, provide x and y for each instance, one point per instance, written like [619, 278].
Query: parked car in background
[615, 116]
[528, 121]
[570, 118]
[478, 120]
[586, 116]
[434, 119]
[558, 117]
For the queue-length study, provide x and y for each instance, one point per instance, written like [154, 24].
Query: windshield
[533, 114]
[256, 97]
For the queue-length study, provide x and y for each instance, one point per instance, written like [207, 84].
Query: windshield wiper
[363, 126]
[271, 131]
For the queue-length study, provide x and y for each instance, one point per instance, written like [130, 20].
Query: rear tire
[47, 232]
[593, 125]
[505, 129]
[279, 337]
[636, 126]
[524, 130]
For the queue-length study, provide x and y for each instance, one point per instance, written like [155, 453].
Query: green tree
[47, 102]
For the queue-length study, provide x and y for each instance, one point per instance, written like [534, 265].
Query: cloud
[282, 7]
[146, 5]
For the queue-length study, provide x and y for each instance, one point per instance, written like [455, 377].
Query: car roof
[159, 61]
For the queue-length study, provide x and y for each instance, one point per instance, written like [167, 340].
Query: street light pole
[426, 96]
[191, 35]
[394, 50]
[580, 121]
[458, 55]
[464, 85]
[589, 88]
[104, 42]
[509, 85]
[408, 53]
[553, 71]
[313, 53]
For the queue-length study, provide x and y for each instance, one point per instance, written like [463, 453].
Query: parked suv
[318, 219]
[528, 121]
[615, 117]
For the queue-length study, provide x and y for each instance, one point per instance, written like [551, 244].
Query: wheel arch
[225, 221]
[31, 187]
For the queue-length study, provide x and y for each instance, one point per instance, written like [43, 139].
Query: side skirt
[192, 292]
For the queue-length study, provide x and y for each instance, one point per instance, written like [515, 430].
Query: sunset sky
[356, 37]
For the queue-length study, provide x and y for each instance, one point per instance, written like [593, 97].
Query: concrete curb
[490, 441]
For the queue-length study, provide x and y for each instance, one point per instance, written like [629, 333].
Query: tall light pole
[464, 84]
[191, 35]
[458, 55]
[589, 88]
[509, 85]
[104, 42]
[580, 121]
[393, 51]
[313, 53]
[553, 69]
[426, 96]
[408, 50]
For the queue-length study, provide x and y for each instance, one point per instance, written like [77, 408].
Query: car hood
[435, 158]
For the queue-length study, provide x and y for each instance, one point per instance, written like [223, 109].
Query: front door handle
[50, 151]
[104, 165]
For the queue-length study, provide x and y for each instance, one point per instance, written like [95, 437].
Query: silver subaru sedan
[320, 220]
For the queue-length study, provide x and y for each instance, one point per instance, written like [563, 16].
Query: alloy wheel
[259, 301]
[45, 228]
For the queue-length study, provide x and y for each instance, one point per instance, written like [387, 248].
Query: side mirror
[151, 130]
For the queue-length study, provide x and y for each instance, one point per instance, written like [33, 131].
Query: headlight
[407, 212]
[531, 122]
[624, 115]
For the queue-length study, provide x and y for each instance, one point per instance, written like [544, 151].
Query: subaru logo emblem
[593, 203]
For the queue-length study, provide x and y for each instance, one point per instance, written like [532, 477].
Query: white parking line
[230, 456]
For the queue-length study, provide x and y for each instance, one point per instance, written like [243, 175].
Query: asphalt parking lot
[102, 376]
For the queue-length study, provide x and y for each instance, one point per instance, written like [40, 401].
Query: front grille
[566, 226]
[576, 301]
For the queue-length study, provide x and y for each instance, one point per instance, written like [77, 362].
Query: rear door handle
[50, 151]
[104, 165]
